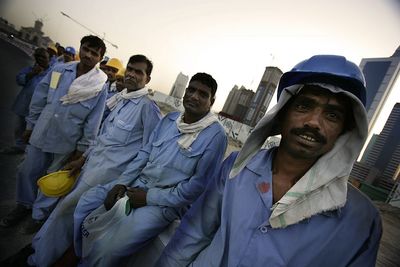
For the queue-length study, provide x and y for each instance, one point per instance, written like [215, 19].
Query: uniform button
[264, 229]
[56, 115]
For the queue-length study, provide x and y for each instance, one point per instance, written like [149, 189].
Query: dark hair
[60, 50]
[40, 50]
[207, 80]
[94, 42]
[142, 59]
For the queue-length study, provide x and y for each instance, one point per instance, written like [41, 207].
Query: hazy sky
[232, 40]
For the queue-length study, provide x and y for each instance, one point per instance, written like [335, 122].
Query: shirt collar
[261, 164]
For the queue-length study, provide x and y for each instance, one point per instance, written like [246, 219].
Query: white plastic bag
[95, 225]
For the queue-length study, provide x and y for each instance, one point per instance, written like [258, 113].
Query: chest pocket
[50, 95]
[187, 160]
[78, 111]
[120, 132]
[54, 82]
[182, 160]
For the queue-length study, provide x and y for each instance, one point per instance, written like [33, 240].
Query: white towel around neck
[191, 130]
[113, 87]
[114, 100]
[85, 87]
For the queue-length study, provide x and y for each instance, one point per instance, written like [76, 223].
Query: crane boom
[80, 24]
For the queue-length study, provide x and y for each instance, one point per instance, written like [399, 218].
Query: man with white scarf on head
[167, 175]
[64, 117]
[126, 130]
[290, 205]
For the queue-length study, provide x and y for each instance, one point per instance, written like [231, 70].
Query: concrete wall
[25, 47]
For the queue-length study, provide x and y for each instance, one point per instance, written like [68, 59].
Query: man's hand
[35, 71]
[137, 197]
[117, 192]
[75, 166]
[74, 156]
[26, 135]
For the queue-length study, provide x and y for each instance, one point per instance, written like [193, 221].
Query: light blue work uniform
[107, 86]
[126, 130]
[228, 226]
[173, 178]
[58, 130]
[111, 89]
[53, 61]
[23, 99]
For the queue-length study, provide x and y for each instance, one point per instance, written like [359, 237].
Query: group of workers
[138, 172]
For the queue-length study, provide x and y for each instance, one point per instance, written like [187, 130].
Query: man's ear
[212, 100]
[148, 79]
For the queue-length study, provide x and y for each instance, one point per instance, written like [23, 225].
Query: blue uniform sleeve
[21, 76]
[38, 101]
[185, 192]
[200, 223]
[92, 123]
[367, 254]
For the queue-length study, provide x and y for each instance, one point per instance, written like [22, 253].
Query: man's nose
[195, 95]
[314, 119]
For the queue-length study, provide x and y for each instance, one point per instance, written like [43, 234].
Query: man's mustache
[310, 132]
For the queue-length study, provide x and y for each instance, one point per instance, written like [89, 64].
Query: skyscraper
[237, 103]
[385, 152]
[178, 89]
[380, 75]
[380, 162]
[265, 91]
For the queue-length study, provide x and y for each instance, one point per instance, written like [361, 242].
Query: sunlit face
[197, 99]
[135, 76]
[110, 72]
[89, 56]
[313, 123]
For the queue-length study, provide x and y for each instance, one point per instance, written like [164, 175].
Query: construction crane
[80, 24]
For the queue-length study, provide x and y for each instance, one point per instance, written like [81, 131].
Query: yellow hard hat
[56, 184]
[53, 47]
[121, 72]
[114, 63]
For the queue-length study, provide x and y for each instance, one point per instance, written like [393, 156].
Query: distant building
[265, 91]
[382, 157]
[35, 35]
[380, 75]
[237, 103]
[7, 27]
[369, 147]
[385, 153]
[179, 87]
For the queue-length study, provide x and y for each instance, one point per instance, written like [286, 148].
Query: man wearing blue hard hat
[69, 54]
[290, 205]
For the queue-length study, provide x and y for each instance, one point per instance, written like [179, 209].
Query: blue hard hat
[70, 50]
[330, 69]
